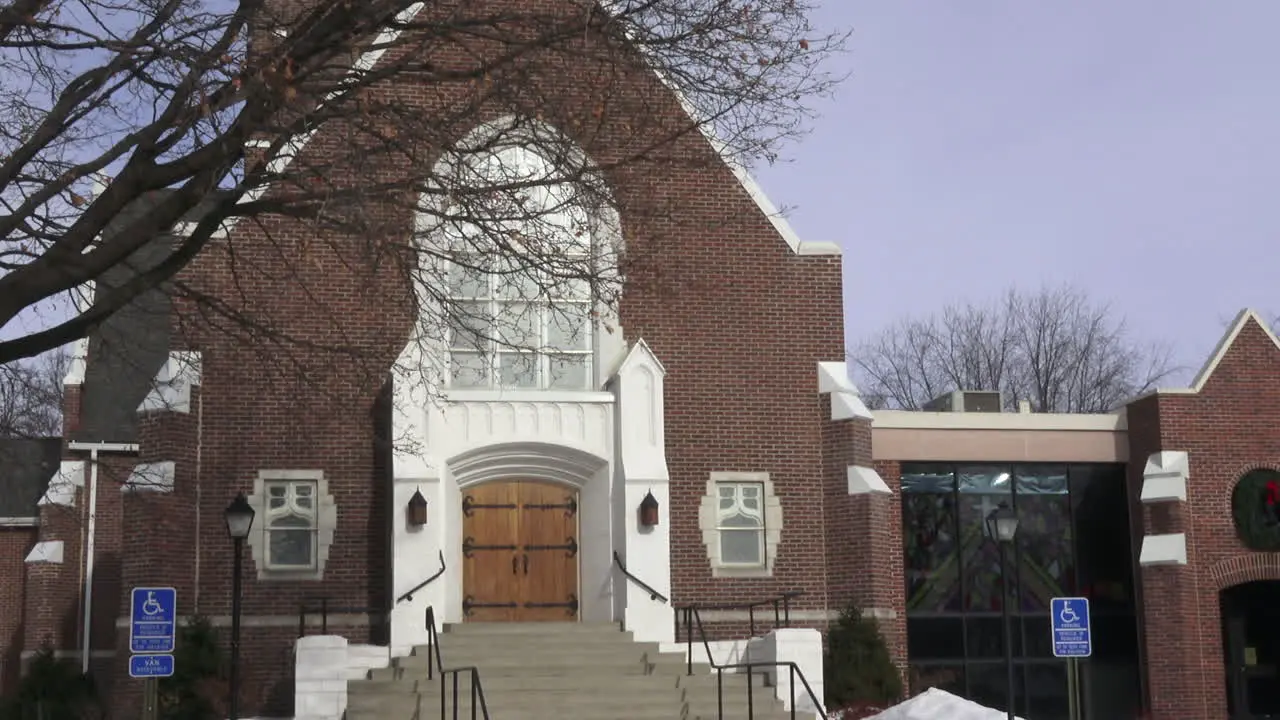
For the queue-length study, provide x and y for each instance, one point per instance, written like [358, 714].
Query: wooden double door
[520, 552]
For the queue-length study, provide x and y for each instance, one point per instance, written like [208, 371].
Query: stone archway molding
[1244, 568]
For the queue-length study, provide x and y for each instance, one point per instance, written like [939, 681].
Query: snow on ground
[935, 704]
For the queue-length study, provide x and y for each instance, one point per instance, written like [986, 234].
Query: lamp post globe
[239, 516]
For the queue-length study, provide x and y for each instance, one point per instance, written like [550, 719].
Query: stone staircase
[556, 671]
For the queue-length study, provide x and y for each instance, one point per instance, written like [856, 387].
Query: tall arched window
[520, 264]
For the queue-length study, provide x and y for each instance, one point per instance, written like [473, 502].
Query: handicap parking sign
[153, 620]
[1069, 618]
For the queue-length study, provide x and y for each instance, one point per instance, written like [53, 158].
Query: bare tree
[124, 120]
[31, 396]
[1054, 347]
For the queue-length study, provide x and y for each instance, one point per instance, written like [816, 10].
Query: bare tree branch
[128, 120]
[31, 396]
[1053, 347]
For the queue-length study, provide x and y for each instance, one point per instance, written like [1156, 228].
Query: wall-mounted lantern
[417, 509]
[649, 510]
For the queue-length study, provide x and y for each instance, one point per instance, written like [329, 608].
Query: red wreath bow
[1273, 493]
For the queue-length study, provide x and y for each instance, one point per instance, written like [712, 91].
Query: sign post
[1072, 639]
[153, 630]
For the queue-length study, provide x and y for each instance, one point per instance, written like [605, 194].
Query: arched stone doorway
[1251, 649]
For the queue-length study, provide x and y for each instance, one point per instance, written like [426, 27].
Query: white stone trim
[642, 451]
[326, 523]
[1164, 479]
[19, 522]
[864, 480]
[151, 477]
[707, 514]
[1083, 422]
[846, 400]
[46, 551]
[62, 487]
[171, 390]
[1168, 549]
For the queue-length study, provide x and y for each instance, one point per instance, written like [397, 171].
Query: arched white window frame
[594, 342]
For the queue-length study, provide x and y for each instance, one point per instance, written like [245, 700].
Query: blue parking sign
[153, 620]
[1069, 618]
[150, 666]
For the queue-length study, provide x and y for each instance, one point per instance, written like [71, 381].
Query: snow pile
[935, 704]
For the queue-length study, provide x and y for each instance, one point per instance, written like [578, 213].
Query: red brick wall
[739, 321]
[1229, 427]
[15, 543]
[890, 577]
[53, 591]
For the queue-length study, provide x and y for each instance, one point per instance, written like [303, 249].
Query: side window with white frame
[294, 524]
[291, 525]
[741, 522]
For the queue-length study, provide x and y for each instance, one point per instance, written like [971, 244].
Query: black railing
[782, 618]
[781, 605]
[424, 583]
[653, 594]
[436, 666]
[323, 608]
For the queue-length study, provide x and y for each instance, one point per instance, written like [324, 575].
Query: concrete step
[543, 629]
[565, 704]
[556, 671]
[490, 665]
[735, 694]
[504, 683]
[475, 654]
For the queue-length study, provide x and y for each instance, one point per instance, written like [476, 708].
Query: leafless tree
[345, 117]
[1054, 347]
[31, 396]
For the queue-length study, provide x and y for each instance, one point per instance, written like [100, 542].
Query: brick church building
[703, 446]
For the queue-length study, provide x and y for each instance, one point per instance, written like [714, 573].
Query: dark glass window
[931, 552]
[1073, 539]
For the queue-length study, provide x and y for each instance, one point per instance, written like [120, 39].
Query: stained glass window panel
[984, 578]
[933, 569]
[984, 479]
[927, 478]
[1045, 558]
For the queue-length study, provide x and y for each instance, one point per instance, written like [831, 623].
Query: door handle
[515, 564]
[526, 563]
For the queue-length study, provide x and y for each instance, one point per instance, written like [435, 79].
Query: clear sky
[1131, 148]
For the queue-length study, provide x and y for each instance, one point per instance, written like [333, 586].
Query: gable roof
[367, 60]
[1243, 318]
[26, 466]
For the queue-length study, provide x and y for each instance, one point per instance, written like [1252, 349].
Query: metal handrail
[424, 583]
[781, 610]
[436, 665]
[653, 594]
[694, 618]
[321, 607]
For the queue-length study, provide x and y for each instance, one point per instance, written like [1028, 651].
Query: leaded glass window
[290, 524]
[521, 308]
[740, 523]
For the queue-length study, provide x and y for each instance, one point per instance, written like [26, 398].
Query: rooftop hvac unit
[972, 401]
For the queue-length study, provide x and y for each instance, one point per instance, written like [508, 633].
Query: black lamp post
[1002, 526]
[239, 515]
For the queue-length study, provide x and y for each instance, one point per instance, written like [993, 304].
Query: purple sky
[1126, 147]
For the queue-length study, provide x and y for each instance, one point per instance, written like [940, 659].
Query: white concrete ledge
[151, 477]
[46, 551]
[1157, 550]
[1164, 478]
[865, 480]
